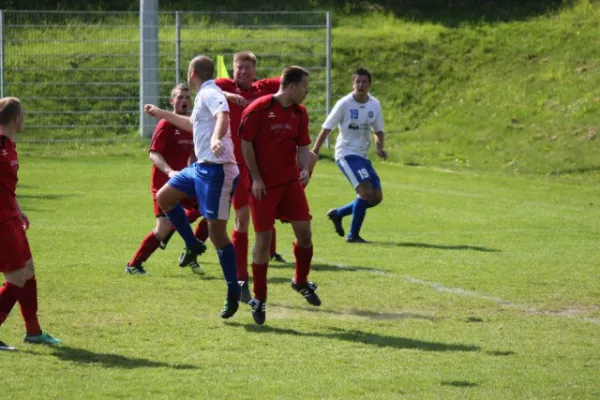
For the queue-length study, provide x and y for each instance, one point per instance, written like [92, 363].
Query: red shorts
[241, 196]
[14, 247]
[287, 202]
[188, 204]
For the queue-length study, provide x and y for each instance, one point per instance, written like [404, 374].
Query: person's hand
[238, 99]
[304, 177]
[151, 110]
[216, 146]
[382, 153]
[172, 173]
[258, 189]
[24, 221]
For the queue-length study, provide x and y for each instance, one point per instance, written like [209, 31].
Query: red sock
[303, 259]
[28, 301]
[201, 231]
[8, 297]
[192, 214]
[240, 245]
[273, 243]
[259, 276]
[148, 246]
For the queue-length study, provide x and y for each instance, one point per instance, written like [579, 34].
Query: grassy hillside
[521, 96]
[516, 96]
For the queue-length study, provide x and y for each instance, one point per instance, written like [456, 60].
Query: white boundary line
[438, 287]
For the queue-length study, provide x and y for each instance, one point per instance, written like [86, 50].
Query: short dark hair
[10, 108]
[203, 67]
[362, 72]
[293, 74]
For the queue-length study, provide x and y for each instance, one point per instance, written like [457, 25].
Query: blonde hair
[181, 87]
[10, 108]
[244, 56]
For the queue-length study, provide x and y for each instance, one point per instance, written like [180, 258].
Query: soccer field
[475, 286]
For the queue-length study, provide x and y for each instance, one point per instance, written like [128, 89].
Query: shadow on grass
[459, 383]
[356, 336]
[361, 313]
[44, 196]
[332, 267]
[437, 246]
[109, 360]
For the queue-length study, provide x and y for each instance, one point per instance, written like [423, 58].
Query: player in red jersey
[274, 133]
[16, 262]
[171, 150]
[240, 91]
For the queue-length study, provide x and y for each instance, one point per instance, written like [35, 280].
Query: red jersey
[9, 164]
[175, 145]
[276, 132]
[258, 89]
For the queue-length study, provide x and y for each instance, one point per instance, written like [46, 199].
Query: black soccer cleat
[5, 347]
[188, 257]
[245, 295]
[135, 270]
[356, 239]
[277, 257]
[308, 291]
[259, 310]
[232, 304]
[337, 221]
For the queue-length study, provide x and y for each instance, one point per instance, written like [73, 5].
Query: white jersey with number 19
[355, 121]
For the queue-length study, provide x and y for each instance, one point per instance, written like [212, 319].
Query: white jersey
[210, 101]
[355, 121]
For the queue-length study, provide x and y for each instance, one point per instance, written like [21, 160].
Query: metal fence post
[328, 71]
[149, 79]
[177, 48]
[1, 53]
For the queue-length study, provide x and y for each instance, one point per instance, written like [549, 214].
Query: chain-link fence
[78, 73]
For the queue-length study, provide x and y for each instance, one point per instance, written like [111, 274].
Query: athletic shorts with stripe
[212, 184]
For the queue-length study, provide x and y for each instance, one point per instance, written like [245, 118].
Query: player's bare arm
[181, 121]
[320, 140]
[303, 160]
[258, 186]
[161, 163]
[221, 129]
[236, 98]
[379, 145]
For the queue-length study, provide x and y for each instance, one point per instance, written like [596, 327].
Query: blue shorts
[358, 169]
[212, 184]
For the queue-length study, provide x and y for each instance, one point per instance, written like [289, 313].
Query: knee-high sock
[28, 301]
[201, 231]
[227, 261]
[240, 244]
[358, 216]
[147, 247]
[303, 259]
[259, 277]
[9, 294]
[346, 210]
[180, 221]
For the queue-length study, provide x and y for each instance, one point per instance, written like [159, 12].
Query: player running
[356, 114]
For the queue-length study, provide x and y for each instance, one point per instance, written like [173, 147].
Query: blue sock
[227, 259]
[345, 210]
[182, 226]
[358, 216]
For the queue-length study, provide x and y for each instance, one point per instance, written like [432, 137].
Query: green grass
[477, 285]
